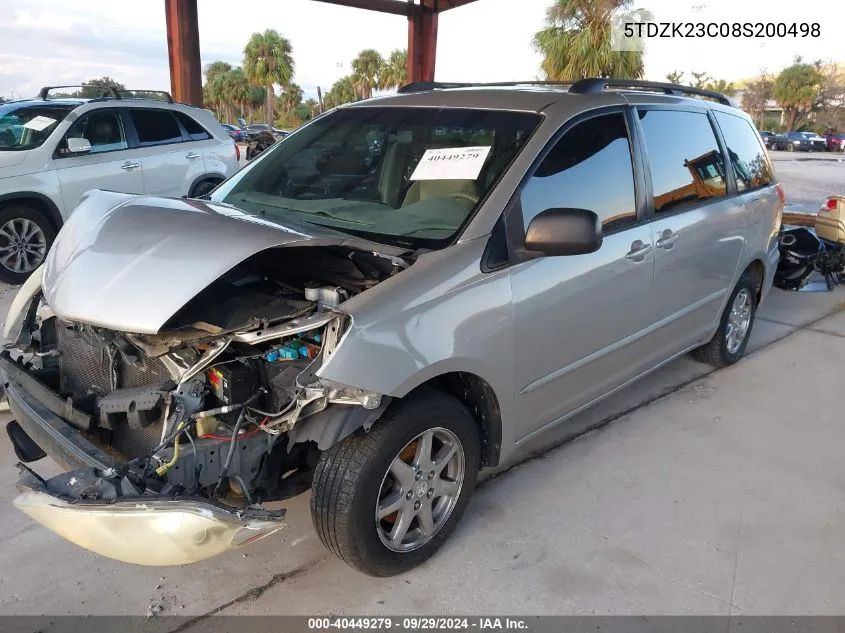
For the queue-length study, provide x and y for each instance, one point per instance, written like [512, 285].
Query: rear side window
[194, 129]
[588, 168]
[686, 165]
[750, 161]
[156, 127]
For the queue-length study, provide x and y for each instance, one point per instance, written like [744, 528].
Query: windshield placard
[39, 123]
[451, 163]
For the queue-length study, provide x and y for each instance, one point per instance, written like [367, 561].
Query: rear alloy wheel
[25, 237]
[728, 344]
[386, 500]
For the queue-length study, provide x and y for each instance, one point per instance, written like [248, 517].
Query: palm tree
[268, 60]
[365, 71]
[213, 91]
[290, 99]
[235, 91]
[342, 91]
[394, 71]
[576, 42]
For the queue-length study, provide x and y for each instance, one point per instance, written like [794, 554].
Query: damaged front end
[175, 439]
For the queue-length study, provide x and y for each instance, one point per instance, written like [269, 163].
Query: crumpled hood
[129, 263]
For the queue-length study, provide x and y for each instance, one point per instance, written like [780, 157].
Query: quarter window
[588, 168]
[102, 128]
[750, 161]
[683, 154]
[155, 127]
[194, 129]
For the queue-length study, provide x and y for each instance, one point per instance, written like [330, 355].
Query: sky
[49, 42]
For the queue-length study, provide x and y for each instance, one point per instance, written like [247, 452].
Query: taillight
[830, 205]
[781, 194]
[237, 153]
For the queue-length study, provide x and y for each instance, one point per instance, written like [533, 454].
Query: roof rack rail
[106, 90]
[109, 92]
[595, 85]
[132, 93]
[419, 86]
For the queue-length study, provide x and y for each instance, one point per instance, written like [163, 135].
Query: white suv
[53, 150]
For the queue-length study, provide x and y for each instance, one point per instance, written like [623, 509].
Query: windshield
[28, 126]
[400, 175]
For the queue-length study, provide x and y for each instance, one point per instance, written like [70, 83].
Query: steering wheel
[459, 195]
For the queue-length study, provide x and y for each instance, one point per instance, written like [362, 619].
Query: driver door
[582, 321]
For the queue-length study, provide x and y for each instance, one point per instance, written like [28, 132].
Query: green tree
[700, 79]
[756, 94]
[342, 91]
[96, 87]
[235, 91]
[722, 85]
[797, 89]
[394, 71]
[268, 60]
[365, 71]
[675, 77]
[576, 41]
[213, 93]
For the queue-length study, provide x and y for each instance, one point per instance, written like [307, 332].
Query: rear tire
[725, 348]
[26, 236]
[358, 503]
[204, 187]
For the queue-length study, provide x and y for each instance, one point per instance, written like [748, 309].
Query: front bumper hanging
[145, 529]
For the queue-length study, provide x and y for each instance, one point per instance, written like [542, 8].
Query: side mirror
[557, 232]
[78, 145]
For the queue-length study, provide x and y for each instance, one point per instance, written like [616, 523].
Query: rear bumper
[144, 528]
[772, 260]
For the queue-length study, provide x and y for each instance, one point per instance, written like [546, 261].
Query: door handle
[639, 250]
[130, 166]
[192, 155]
[667, 239]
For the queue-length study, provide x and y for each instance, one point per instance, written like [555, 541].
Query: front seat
[424, 189]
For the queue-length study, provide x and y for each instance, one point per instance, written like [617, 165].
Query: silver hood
[129, 263]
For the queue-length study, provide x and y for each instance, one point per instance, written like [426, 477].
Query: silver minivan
[401, 294]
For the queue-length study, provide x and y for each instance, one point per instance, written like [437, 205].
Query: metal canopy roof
[399, 7]
[183, 44]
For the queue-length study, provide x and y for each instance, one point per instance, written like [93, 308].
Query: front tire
[385, 501]
[25, 238]
[728, 344]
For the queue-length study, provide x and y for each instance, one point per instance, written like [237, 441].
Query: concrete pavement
[704, 492]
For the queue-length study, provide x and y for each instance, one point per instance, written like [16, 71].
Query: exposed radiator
[85, 370]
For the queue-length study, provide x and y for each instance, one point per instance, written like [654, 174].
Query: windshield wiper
[323, 214]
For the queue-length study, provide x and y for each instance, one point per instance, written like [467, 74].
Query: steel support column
[183, 50]
[422, 40]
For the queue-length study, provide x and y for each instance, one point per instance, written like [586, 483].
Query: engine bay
[204, 406]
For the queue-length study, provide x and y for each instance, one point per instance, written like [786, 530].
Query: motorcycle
[819, 248]
[257, 143]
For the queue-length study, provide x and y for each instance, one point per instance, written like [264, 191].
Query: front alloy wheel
[25, 237]
[385, 500]
[420, 489]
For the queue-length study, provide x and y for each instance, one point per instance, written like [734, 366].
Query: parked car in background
[239, 135]
[769, 139]
[54, 150]
[834, 142]
[800, 142]
[255, 128]
[378, 321]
